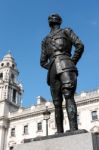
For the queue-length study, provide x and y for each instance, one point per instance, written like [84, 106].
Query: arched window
[8, 64]
[13, 66]
[1, 75]
[2, 64]
[11, 148]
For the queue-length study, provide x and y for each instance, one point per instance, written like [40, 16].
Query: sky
[24, 24]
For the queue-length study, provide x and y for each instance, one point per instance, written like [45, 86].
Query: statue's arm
[79, 47]
[44, 59]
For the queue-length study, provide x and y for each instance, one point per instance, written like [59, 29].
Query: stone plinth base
[84, 141]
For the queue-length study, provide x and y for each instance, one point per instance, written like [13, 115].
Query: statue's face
[54, 20]
[53, 23]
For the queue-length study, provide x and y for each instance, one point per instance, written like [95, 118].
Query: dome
[8, 57]
[8, 61]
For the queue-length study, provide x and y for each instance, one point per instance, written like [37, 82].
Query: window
[14, 95]
[39, 126]
[1, 75]
[8, 64]
[26, 129]
[13, 132]
[11, 148]
[13, 65]
[94, 115]
[2, 64]
[12, 77]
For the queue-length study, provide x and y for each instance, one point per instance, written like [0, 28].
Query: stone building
[18, 124]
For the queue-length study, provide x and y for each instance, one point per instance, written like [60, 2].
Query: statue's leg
[69, 81]
[55, 87]
[72, 113]
[57, 101]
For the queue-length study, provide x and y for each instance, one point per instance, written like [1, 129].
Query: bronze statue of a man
[62, 72]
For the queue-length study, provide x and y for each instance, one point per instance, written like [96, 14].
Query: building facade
[18, 124]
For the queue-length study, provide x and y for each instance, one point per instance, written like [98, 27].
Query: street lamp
[46, 115]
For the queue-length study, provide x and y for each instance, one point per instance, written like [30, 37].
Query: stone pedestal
[84, 141]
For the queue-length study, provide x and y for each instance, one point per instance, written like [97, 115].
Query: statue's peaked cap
[55, 18]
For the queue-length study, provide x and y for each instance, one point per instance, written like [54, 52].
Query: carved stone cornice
[40, 109]
[87, 101]
[4, 118]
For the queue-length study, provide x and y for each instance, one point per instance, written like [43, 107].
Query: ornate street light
[46, 115]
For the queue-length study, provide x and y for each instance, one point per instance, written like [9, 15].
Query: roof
[8, 57]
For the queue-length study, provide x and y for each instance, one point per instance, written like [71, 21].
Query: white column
[19, 99]
[11, 96]
[0, 93]
[16, 97]
[2, 137]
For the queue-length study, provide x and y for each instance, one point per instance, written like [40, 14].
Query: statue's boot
[73, 124]
[59, 119]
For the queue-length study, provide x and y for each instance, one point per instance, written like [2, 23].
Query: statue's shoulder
[46, 38]
[44, 41]
[70, 34]
[68, 30]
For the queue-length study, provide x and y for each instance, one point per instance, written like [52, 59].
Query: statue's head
[54, 19]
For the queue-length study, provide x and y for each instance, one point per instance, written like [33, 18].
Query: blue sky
[23, 25]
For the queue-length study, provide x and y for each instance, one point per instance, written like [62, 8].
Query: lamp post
[46, 115]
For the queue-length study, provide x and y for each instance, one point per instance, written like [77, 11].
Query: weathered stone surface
[84, 141]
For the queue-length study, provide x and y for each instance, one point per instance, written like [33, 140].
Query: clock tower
[10, 93]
